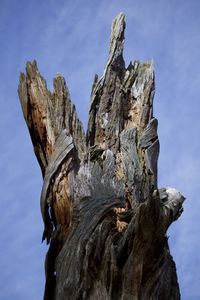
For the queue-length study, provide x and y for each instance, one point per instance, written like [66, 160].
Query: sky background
[72, 38]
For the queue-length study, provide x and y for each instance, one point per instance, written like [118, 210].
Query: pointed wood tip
[117, 38]
[31, 64]
[59, 75]
[117, 32]
[21, 76]
[119, 21]
[31, 69]
[120, 16]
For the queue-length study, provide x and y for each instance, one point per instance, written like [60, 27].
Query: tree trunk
[105, 220]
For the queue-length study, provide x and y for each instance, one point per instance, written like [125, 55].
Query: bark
[105, 219]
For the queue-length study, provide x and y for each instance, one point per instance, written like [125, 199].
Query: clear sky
[71, 38]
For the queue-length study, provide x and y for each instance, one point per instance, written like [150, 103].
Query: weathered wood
[103, 214]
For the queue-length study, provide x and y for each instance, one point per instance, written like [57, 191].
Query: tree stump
[105, 219]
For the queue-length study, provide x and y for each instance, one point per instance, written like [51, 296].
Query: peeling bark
[105, 219]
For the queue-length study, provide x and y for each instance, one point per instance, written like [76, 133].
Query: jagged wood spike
[103, 214]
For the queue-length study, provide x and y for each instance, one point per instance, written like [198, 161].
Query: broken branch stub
[104, 216]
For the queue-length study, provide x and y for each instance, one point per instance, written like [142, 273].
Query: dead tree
[105, 219]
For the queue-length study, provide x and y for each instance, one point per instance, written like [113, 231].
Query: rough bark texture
[105, 220]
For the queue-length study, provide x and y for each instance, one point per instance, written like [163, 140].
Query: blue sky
[71, 37]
